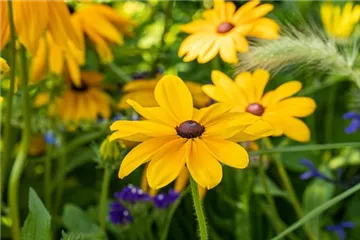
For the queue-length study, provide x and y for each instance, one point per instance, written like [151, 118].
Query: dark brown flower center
[225, 27]
[81, 88]
[256, 109]
[190, 129]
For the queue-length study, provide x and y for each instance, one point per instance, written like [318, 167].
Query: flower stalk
[103, 198]
[20, 160]
[47, 177]
[7, 128]
[199, 210]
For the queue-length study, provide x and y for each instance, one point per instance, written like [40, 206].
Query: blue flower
[163, 200]
[354, 124]
[132, 194]
[50, 138]
[119, 214]
[313, 171]
[339, 229]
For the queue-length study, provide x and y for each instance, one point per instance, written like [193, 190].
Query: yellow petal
[229, 10]
[205, 48]
[244, 9]
[182, 180]
[227, 152]
[256, 130]
[241, 43]
[103, 102]
[92, 78]
[4, 67]
[260, 78]
[141, 154]
[195, 49]
[199, 97]
[144, 97]
[296, 107]
[31, 19]
[74, 70]
[197, 26]
[172, 94]
[265, 28]
[152, 129]
[41, 99]
[207, 115]
[60, 25]
[188, 43]
[55, 57]
[4, 25]
[276, 122]
[206, 54]
[156, 114]
[38, 63]
[216, 93]
[228, 50]
[203, 166]
[220, 9]
[245, 81]
[256, 13]
[296, 129]
[285, 90]
[167, 163]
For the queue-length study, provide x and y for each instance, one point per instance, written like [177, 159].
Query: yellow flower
[51, 54]
[41, 99]
[224, 30]
[246, 94]
[175, 134]
[85, 102]
[340, 23]
[142, 91]
[33, 18]
[37, 145]
[103, 25]
[4, 67]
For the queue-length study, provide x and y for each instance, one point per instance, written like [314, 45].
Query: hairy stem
[103, 198]
[199, 210]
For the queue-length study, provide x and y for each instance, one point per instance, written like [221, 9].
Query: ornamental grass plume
[33, 18]
[224, 29]
[176, 135]
[277, 107]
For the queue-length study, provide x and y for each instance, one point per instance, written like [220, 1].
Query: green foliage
[38, 222]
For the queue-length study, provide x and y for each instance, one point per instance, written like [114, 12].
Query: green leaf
[77, 222]
[273, 188]
[317, 193]
[71, 236]
[38, 222]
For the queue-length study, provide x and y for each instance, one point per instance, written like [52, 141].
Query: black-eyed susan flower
[142, 92]
[224, 29]
[4, 67]
[51, 56]
[176, 135]
[33, 18]
[338, 22]
[83, 103]
[103, 26]
[246, 94]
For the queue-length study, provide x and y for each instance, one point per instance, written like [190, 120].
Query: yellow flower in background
[246, 94]
[50, 56]
[41, 99]
[4, 67]
[103, 25]
[339, 22]
[142, 92]
[175, 134]
[37, 145]
[83, 103]
[33, 18]
[224, 30]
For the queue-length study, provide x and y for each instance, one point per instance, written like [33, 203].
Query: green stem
[317, 211]
[288, 186]
[171, 213]
[120, 73]
[7, 128]
[331, 95]
[103, 198]
[48, 177]
[20, 160]
[199, 210]
[62, 173]
[269, 198]
[305, 148]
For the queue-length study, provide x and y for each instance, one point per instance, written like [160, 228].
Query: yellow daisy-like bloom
[142, 91]
[51, 56]
[83, 103]
[224, 30]
[176, 134]
[246, 94]
[33, 18]
[103, 25]
[340, 23]
[4, 67]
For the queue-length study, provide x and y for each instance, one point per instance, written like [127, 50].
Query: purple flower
[119, 214]
[163, 200]
[312, 172]
[354, 124]
[339, 229]
[50, 138]
[132, 194]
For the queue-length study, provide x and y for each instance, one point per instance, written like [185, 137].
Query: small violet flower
[50, 138]
[119, 214]
[132, 194]
[354, 124]
[339, 229]
[312, 172]
[163, 200]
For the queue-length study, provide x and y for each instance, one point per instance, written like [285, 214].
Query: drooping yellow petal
[167, 163]
[142, 153]
[38, 63]
[295, 107]
[203, 166]
[4, 25]
[31, 19]
[227, 152]
[296, 129]
[74, 70]
[143, 97]
[199, 97]
[172, 94]
[55, 57]
[182, 180]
